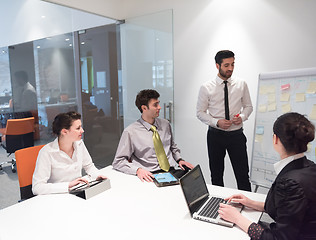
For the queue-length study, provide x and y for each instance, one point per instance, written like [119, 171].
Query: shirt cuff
[214, 123]
[180, 159]
[255, 231]
[243, 117]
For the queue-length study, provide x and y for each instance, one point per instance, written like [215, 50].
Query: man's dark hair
[64, 121]
[222, 55]
[22, 76]
[144, 96]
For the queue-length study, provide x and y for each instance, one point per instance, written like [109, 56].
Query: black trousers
[234, 142]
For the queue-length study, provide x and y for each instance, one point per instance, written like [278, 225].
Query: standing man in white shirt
[224, 104]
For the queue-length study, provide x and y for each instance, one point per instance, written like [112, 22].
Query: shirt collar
[55, 145]
[221, 81]
[148, 125]
[282, 163]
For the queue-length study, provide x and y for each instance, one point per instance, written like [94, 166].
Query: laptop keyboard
[210, 210]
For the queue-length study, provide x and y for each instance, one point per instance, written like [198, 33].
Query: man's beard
[225, 75]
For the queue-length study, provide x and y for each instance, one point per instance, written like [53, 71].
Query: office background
[265, 36]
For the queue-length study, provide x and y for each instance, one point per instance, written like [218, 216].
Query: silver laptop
[202, 205]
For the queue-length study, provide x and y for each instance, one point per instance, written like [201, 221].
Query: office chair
[25, 164]
[19, 133]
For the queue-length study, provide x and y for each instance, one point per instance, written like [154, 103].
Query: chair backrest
[25, 165]
[20, 126]
[19, 134]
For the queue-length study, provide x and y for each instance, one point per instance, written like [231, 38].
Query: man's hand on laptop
[183, 163]
[144, 175]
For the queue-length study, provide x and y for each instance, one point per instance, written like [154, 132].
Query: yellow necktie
[160, 152]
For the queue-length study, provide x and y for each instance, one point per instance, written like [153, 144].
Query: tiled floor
[9, 185]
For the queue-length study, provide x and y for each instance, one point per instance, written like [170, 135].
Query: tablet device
[84, 186]
[165, 179]
[87, 191]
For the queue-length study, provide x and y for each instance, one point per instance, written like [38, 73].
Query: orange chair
[19, 133]
[25, 164]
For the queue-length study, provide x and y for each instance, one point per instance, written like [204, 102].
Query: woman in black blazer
[291, 201]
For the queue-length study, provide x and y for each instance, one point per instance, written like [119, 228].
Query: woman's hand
[101, 177]
[239, 198]
[229, 213]
[77, 181]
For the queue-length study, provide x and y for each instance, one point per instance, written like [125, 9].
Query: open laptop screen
[194, 187]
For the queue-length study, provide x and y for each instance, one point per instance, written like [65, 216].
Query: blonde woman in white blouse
[60, 163]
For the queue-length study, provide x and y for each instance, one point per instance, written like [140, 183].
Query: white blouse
[55, 169]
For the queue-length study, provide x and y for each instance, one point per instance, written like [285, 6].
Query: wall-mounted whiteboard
[278, 93]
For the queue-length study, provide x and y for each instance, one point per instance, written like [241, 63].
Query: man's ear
[144, 107]
[217, 66]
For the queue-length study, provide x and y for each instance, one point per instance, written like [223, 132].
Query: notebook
[202, 205]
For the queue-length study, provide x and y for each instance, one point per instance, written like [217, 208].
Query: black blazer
[291, 202]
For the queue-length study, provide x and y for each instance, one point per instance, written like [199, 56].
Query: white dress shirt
[278, 166]
[55, 169]
[211, 107]
[136, 148]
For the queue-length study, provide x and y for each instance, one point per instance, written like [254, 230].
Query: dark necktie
[226, 101]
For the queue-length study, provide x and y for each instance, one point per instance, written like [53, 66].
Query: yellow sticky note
[286, 108]
[312, 115]
[271, 89]
[272, 107]
[285, 97]
[300, 97]
[309, 147]
[311, 87]
[263, 90]
[271, 98]
[258, 138]
[262, 108]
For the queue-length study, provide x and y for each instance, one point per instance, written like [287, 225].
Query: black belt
[228, 133]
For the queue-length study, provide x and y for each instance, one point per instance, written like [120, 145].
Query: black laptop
[202, 205]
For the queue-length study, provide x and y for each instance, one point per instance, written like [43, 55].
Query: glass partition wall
[39, 80]
[147, 61]
[5, 86]
[87, 70]
[55, 79]
[99, 65]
